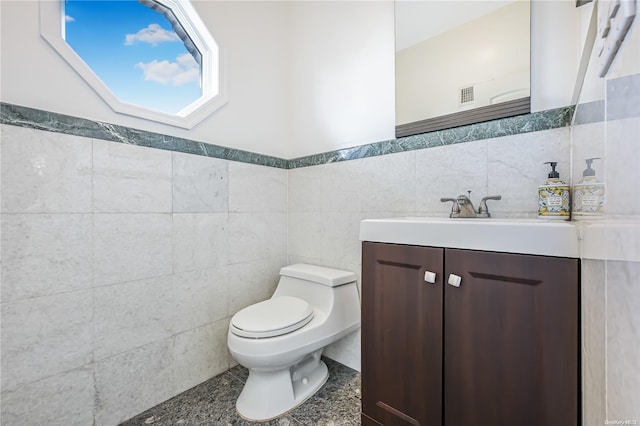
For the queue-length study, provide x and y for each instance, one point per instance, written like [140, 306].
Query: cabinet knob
[430, 277]
[454, 280]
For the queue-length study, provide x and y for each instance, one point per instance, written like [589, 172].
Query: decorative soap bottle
[554, 197]
[588, 195]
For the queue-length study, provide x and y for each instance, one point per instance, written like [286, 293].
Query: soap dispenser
[588, 195]
[554, 197]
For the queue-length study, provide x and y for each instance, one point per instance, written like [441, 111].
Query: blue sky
[135, 52]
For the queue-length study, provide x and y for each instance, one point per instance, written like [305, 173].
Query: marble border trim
[534, 122]
[60, 123]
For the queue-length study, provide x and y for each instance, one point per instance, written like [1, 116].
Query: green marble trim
[59, 123]
[534, 122]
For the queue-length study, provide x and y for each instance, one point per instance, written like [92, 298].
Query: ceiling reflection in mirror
[459, 62]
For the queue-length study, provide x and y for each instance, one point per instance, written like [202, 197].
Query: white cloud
[184, 70]
[153, 34]
[68, 18]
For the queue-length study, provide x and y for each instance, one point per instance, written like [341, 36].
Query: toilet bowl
[280, 340]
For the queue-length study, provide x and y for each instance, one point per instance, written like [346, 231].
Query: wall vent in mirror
[160, 63]
[466, 95]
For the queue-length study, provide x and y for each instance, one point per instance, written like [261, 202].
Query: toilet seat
[271, 318]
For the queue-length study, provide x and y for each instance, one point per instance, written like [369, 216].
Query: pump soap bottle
[554, 197]
[588, 195]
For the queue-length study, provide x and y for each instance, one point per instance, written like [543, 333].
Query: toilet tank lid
[318, 274]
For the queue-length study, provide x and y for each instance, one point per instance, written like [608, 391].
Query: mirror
[460, 62]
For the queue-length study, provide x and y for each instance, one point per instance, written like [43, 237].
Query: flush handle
[430, 277]
[454, 280]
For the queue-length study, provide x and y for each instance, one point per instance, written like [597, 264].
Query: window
[153, 59]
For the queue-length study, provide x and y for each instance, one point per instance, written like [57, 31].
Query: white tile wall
[66, 399]
[347, 350]
[388, 183]
[587, 142]
[306, 232]
[131, 246]
[45, 172]
[340, 243]
[132, 314]
[341, 187]
[200, 240]
[115, 291]
[200, 297]
[252, 282]
[257, 189]
[199, 354]
[139, 378]
[327, 203]
[623, 340]
[255, 236]
[163, 248]
[448, 171]
[333, 187]
[128, 178]
[302, 182]
[200, 184]
[45, 336]
[593, 342]
[45, 254]
[623, 167]
[516, 169]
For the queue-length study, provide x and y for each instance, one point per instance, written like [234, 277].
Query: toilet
[281, 339]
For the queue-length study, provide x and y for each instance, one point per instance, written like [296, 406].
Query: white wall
[304, 77]
[555, 49]
[342, 70]
[335, 57]
[254, 34]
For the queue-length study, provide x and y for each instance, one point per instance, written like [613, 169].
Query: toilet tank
[318, 274]
[318, 285]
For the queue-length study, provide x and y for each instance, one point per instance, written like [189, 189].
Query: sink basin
[526, 236]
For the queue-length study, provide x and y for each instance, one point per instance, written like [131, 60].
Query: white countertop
[610, 239]
[599, 239]
[526, 236]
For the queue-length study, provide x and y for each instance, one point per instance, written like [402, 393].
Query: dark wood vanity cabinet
[500, 349]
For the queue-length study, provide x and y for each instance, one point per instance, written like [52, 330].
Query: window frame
[214, 90]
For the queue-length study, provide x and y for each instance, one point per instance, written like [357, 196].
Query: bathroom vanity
[469, 322]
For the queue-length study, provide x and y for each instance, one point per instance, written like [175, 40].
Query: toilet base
[270, 394]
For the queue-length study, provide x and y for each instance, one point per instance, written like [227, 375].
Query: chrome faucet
[463, 207]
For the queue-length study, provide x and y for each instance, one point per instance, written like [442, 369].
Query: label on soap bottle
[589, 199]
[589, 202]
[554, 201]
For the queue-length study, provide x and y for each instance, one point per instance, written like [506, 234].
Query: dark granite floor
[213, 403]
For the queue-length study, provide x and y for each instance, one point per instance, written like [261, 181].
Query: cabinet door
[401, 335]
[511, 340]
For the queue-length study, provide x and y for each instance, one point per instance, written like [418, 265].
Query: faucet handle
[483, 209]
[455, 207]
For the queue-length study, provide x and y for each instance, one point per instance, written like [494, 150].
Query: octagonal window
[153, 59]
